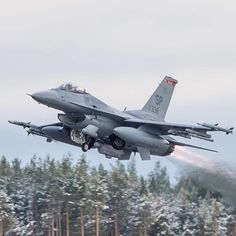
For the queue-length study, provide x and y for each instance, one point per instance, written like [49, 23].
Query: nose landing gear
[88, 144]
[85, 141]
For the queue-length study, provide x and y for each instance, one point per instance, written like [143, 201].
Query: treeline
[59, 198]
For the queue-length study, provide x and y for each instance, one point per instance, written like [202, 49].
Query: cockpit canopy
[71, 88]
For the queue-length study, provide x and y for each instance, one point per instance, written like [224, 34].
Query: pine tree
[98, 196]
[7, 221]
[56, 198]
[161, 217]
[81, 195]
[138, 203]
[159, 180]
[215, 222]
[66, 183]
[5, 168]
[143, 191]
[118, 198]
[185, 217]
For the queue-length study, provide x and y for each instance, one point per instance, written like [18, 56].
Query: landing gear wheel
[117, 143]
[85, 147]
[88, 145]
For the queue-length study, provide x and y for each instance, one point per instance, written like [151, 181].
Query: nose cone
[45, 97]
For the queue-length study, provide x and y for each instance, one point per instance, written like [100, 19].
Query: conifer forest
[72, 198]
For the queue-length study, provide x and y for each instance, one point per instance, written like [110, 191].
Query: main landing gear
[117, 143]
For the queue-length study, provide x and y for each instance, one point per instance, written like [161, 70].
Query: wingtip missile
[216, 127]
[20, 123]
[231, 131]
[14, 122]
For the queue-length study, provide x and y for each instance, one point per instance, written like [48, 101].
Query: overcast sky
[119, 50]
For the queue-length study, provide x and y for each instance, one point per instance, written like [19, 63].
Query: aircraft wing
[186, 131]
[166, 126]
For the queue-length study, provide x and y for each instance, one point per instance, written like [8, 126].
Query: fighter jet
[87, 122]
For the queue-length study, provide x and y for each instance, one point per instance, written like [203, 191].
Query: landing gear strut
[88, 144]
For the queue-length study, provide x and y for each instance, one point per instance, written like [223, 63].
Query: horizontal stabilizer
[144, 153]
[176, 143]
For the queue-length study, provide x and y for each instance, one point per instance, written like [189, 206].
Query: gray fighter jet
[89, 123]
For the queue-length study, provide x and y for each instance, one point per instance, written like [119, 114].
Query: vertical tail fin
[159, 102]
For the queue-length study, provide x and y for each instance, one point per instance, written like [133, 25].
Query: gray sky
[119, 51]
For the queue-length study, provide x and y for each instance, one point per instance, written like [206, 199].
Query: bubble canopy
[71, 88]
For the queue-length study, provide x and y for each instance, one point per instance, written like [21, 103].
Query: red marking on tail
[170, 82]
